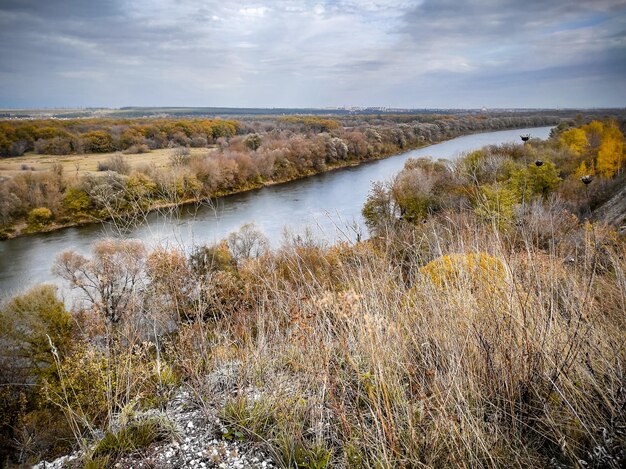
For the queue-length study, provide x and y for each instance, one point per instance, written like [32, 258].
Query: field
[84, 164]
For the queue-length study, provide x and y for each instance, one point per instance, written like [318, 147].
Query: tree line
[72, 136]
[581, 166]
[244, 155]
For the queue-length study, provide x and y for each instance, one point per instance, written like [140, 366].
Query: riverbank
[22, 228]
[329, 205]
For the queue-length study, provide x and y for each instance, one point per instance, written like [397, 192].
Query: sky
[395, 53]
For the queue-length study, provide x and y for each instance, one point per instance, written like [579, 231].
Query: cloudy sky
[396, 53]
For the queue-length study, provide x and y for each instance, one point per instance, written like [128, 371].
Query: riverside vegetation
[204, 158]
[482, 325]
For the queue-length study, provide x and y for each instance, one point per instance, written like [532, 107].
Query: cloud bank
[396, 53]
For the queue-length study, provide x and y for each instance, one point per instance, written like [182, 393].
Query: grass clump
[280, 421]
[132, 437]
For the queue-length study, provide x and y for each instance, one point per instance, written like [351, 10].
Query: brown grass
[87, 162]
[359, 356]
[355, 368]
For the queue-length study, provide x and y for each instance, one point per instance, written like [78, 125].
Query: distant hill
[134, 112]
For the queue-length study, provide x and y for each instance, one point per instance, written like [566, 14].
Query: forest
[482, 322]
[229, 156]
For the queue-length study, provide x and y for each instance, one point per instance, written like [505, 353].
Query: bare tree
[247, 243]
[110, 279]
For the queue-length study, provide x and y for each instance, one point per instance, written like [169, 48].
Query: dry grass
[451, 344]
[355, 368]
[87, 163]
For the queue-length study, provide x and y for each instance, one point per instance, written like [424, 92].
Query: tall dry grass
[451, 344]
[360, 356]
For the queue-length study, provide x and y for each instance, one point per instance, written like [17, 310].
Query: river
[329, 204]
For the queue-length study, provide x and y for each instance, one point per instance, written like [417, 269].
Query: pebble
[200, 445]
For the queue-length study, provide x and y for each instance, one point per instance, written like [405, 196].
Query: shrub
[140, 186]
[496, 205]
[39, 217]
[253, 141]
[379, 209]
[216, 258]
[477, 268]
[535, 180]
[137, 149]
[116, 163]
[54, 146]
[91, 386]
[76, 200]
[98, 141]
[180, 156]
[30, 324]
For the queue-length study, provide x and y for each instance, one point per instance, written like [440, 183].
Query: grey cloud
[310, 53]
[54, 9]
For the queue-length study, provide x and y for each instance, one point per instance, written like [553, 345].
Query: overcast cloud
[396, 53]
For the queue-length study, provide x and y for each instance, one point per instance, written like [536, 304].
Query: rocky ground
[201, 440]
[613, 211]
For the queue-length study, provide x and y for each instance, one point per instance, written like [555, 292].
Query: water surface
[329, 204]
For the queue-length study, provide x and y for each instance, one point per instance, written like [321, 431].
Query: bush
[207, 259]
[475, 268]
[76, 201]
[29, 325]
[91, 387]
[180, 156]
[535, 180]
[54, 146]
[496, 205]
[253, 141]
[30, 322]
[98, 141]
[137, 149]
[116, 163]
[39, 217]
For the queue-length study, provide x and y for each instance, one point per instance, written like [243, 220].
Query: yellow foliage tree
[610, 151]
[575, 139]
[594, 131]
[584, 170]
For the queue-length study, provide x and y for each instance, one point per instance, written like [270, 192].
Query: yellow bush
[477, 268]
[39, 216]
[496, 205]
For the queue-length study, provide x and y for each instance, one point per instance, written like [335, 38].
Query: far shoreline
[21, 230]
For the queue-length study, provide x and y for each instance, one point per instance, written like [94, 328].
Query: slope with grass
[475, 329]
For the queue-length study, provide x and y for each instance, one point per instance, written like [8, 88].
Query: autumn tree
[575, 140]
[379, 210]
[110, 279]
[253, 141]
[247, 243]
[535, 180]
[610, 151]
